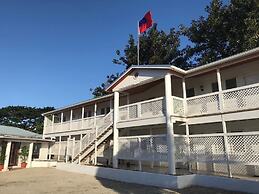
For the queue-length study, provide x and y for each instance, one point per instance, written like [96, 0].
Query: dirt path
[52, 181]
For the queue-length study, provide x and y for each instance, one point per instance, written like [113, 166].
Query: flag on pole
[145, 23]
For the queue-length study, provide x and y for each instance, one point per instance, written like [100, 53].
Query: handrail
[241, 88]
[141, 102]
[95, 133]
[202, 95]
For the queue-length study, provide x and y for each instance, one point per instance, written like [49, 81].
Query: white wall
[143, 75]
[44, 151]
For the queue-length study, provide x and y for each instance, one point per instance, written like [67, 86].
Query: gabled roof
[9, 131]
[133, 67]
[232, 60]
[254, 53]
[79, 104]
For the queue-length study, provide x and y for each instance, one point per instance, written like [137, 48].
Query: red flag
[145, 23]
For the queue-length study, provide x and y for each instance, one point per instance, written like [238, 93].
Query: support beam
[95, 142]
[71, 119]
[115, 129]
[59, 148]
[52, 123]
[68, 145]
[80, 148]
[169, 124]
[224, 127]
[82, 116]
[29, 160]
[139, 162]
[184, 97]
[45, 123]
[7, 155]
[49, 152]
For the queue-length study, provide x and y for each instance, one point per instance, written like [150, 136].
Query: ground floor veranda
[204, 148]
[11, 147]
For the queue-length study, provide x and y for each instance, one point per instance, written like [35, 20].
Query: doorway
[13, 161]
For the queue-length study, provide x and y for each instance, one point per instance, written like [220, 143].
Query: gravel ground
[52, 181]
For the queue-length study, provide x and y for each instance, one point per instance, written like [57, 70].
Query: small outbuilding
[13, 139]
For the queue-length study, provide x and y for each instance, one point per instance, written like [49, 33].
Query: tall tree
[156, 47]
[228, 30]
[28, 118]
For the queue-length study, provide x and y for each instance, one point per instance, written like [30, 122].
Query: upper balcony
[233, 100]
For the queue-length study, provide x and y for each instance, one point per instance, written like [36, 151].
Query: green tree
[28, 118]
[228, 30]
[156, 47]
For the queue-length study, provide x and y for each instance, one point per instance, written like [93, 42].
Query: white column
[139, 162]
[59, 148]
[169, 124]
[68, 139]
[71, 118]
[49, 151]
[44, 126]
[73, 148]
[29, 160]
[115, 130]
[95, 142]
[220, 91]
[83, 113]
[53, 117]
[224, 127]
[7, 155]
[184, 97]
[80, 148]
[61, 120]
[187, 131]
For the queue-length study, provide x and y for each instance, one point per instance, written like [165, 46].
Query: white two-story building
[164, 119]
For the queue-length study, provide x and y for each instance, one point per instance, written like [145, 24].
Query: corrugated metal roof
[17, 132]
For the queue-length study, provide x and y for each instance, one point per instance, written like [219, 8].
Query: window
[231, 83]
[102, 111]
[214, 87]
[190, 92]
[87, 114]
[107, 110]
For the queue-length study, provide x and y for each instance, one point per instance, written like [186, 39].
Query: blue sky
[53, 51]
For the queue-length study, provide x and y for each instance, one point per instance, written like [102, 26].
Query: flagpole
[138, 42]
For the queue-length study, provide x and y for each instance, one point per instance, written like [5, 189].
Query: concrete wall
[162, 180]
[41, 163]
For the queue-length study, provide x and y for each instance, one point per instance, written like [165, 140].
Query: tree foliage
[227, 29]
[28, 118]
[156, 47]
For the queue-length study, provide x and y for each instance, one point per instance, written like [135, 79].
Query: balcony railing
[178, 106]
[144, 109]
[241, 98]
[203, 104]
[236, 99]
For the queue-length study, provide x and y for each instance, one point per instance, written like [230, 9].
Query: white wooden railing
[203, 104]
[240, 98]
[101, 125]
[144, 109]
[206, 150]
